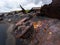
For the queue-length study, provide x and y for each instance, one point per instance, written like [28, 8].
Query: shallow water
[3, 35]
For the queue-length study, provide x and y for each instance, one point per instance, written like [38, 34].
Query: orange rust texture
[45, 34]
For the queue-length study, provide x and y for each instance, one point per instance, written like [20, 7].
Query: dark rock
[56, 2]
[51, 10]
[1, 15]
[1, 18]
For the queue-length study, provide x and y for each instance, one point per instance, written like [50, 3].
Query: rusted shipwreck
[44, 31]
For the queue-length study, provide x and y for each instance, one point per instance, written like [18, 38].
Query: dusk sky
[11, 5]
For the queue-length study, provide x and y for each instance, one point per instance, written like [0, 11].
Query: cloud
[47, 1]
[11, 5]
[30, 5]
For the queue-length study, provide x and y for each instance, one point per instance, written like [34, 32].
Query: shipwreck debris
[23, 10]
[45, 31]
[35, 10]
[25, 25]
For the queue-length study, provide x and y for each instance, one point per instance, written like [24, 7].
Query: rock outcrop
[56, 2]
[52, 10]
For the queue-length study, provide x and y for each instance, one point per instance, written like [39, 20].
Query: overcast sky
[10, 5]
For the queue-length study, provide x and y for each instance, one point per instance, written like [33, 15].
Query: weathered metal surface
[47, 32]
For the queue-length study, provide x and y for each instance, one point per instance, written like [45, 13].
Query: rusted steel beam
[21, 21]
[23, 10]
[22, 27]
